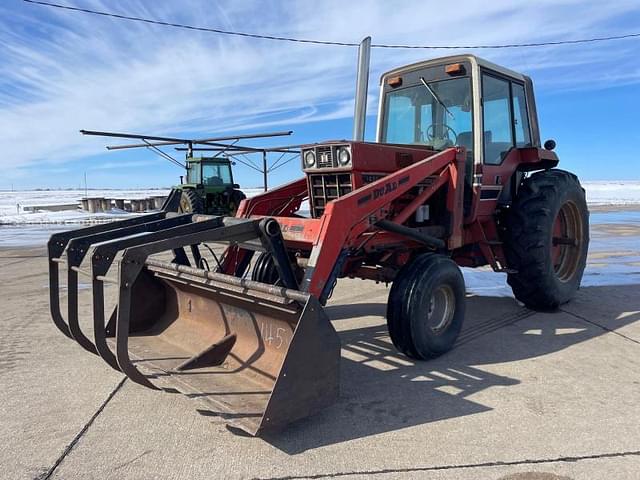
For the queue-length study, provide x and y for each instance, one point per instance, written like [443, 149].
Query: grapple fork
[259, 355]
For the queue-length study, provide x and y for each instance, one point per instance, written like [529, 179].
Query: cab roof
[473, 59]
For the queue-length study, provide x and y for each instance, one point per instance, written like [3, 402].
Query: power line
[329, 42]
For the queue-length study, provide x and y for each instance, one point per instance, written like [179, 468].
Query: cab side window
[498, 134]
[520, 116]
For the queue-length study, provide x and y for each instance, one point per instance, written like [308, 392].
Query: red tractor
[457, 177]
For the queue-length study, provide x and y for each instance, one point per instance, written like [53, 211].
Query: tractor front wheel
[547, 239]
[265, 270]
[426, 306]
[190, 202]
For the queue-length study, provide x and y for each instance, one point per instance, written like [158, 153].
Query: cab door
[505, 128]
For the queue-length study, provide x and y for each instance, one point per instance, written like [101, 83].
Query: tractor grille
[324, 157]
[327, 187]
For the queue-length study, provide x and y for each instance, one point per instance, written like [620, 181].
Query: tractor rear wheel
[547, 239]
[426, 306]
[190, 202]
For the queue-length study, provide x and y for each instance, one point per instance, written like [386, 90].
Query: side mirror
[181, 178]
[235, 185]
[549, 144]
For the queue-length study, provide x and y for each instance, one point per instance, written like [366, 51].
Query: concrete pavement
[524, 395]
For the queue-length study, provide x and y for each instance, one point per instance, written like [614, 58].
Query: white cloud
[61, 71]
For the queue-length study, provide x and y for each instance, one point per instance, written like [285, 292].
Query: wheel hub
[441, 308]
[567, 241]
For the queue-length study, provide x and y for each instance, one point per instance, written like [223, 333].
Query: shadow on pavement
[382, 390]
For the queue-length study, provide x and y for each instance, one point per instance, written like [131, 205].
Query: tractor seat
[214, 181]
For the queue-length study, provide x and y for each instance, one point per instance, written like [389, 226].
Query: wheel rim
[441, 308]
[185, 204]
[567, 241]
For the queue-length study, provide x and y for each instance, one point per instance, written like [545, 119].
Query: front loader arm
[348, 217]
[282, 201]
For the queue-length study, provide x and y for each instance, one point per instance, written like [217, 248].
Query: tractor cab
[209, 172]
[460, 100]
[209, 187]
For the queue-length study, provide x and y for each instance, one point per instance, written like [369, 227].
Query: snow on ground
[622, 270]
[612, 193]
[12, 236]
[63, 217]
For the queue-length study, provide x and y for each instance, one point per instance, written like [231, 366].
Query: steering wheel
[430, 133]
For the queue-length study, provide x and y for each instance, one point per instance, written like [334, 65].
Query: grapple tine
[72, 312]
[99, 327]
[54, 297]
[56, 246]
[123, 324]
[76, 251]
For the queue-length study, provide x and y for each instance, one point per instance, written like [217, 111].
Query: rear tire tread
[194, 200]
[528, 235]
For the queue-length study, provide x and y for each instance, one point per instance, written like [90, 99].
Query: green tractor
[209, 187]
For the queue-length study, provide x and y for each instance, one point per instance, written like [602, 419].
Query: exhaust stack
[362, 85]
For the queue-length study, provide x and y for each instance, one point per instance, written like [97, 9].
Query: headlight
[344, 156]
[309, 159]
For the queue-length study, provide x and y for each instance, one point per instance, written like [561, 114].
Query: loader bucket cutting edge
[258, 355]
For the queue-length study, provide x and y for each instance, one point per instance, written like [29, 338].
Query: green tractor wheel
[190, 202]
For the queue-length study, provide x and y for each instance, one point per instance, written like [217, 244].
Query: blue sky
[62, 71]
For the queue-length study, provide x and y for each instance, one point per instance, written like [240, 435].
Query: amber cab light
[394, 81]
[454, 69]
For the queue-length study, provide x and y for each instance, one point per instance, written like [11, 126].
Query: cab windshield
[216, 174]
[436, 114]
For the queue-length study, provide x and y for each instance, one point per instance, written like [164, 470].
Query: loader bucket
[258, 355]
